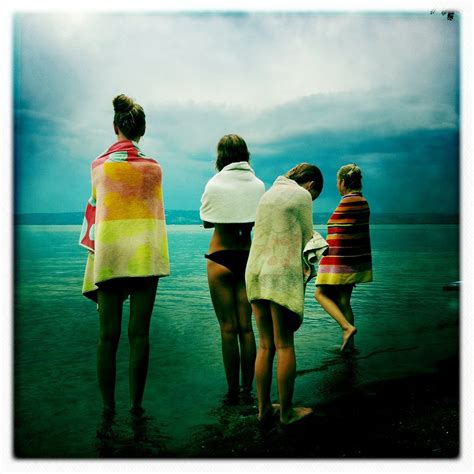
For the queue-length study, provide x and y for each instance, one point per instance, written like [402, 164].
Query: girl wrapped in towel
[229, 205]
[275, 277]
[349, 260]
[124, 231]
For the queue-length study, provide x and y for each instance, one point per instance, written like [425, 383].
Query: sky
[380, 89]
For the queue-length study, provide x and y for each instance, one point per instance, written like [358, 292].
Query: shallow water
[406, 324]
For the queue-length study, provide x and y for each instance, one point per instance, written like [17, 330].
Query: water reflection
[133, 436]
[346, 377]
[234, 429]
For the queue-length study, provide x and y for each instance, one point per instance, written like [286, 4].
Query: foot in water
[347, 336]
[104, 429]
[296, 414]
[271, 413]
[246, 395]
[232, 397]
[137, 411]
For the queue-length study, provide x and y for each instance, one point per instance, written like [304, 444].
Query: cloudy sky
[379, 89]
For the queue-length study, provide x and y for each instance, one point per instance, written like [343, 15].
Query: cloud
[379, 88]
[253, 60]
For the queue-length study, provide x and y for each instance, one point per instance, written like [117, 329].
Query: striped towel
[349, 259]
[124, 224]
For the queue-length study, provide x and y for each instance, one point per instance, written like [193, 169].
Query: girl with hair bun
[350, 259]
[125, 233]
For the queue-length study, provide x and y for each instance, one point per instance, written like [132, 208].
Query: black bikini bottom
[234, 260]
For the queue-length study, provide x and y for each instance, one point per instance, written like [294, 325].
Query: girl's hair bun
[122, 103]
[129, 117]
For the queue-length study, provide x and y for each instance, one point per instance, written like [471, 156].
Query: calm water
[406, 324]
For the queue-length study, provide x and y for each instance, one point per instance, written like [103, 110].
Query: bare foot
[105, 427]
[270, 413]
[137, 411]
[296, 414]
[232, 397]
[347, 336]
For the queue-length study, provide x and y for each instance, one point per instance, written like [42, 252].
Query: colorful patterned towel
[124, 224]
[349, 260]
[276, 270]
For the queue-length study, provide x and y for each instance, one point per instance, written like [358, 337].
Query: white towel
[313, 252]
[232, 195]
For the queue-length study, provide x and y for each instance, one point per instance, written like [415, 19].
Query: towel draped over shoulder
[276, 270]
[232, 195]
[124, 224]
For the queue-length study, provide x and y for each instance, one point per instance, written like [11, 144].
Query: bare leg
[344, 303]
[286, 366]
[327, 299]
[110, 316]
[246, 336]
[221, 287]
[265, 356]
[142, 300]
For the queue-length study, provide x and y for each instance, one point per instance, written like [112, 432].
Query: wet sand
[416, 417]
[413, 417]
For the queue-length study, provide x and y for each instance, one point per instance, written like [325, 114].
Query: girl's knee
[344, 304]
[137, 333]
[266, 345]
[283, 344]
[344, 300]
[109, 337]
[138, 338]
[245, 328]
[284, 340]
[229, 328]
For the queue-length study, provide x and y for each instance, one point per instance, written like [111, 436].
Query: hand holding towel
[313, 251]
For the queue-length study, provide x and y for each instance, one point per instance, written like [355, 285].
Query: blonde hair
[231, 149]
[351, 177]
[129, 117]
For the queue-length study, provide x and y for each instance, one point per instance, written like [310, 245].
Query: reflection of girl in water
[349, 260]
[275, 279]
[229, 204]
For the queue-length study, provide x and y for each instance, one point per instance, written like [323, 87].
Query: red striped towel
[349, 259]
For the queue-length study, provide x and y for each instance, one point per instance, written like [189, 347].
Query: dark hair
[305, 172]
[231, 149]
[351, 176]
[129, 117]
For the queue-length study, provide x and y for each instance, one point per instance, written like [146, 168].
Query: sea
[407, 323]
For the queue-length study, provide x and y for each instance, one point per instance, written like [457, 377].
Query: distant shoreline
[192, 217]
